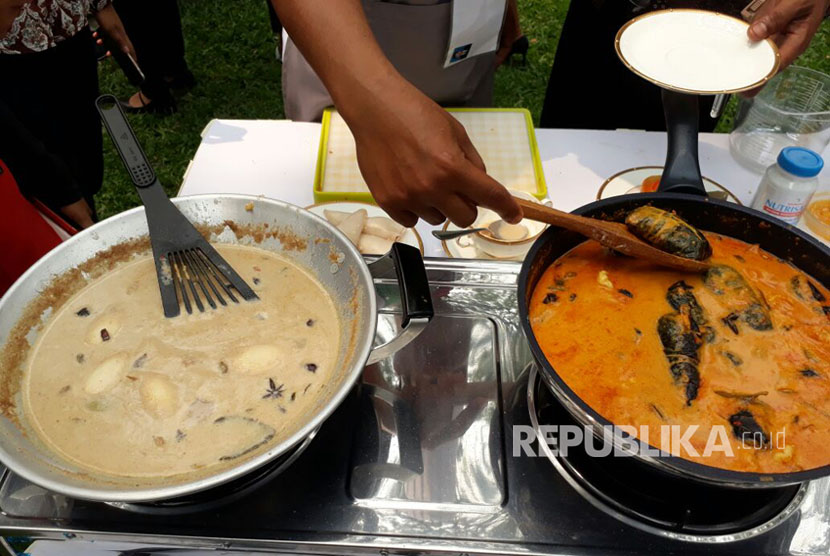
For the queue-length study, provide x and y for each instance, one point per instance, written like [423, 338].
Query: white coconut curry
[115, 387]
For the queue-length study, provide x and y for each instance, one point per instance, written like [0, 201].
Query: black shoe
[152, 107]
[520, 47]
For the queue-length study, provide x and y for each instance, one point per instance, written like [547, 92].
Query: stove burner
[221, 495]
[653, 501]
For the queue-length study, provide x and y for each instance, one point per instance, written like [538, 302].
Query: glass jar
[788, 185]
[793, 109]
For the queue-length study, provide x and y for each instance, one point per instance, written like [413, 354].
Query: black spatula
[190, 271]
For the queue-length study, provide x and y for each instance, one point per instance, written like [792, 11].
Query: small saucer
[630, 181]
[696, 51]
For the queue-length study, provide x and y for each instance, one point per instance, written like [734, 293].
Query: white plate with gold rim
[410, 235]
[696, 51]
[631, 181]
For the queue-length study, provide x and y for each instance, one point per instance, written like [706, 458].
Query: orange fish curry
[744, 348]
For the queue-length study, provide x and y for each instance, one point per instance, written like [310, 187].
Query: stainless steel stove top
[419, 460]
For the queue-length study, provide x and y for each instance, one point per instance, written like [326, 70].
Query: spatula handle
[125, 141]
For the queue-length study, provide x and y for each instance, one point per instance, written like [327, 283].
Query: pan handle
[407, 265]
[125, 141]
[681, 173]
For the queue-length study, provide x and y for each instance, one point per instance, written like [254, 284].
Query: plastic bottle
[787, 186]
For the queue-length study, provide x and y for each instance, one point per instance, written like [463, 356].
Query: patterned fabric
[45, 23]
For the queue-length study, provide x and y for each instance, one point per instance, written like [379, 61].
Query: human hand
[79, 212]
[100, 42]
[790, 23]
[111, 23]
[418, 162]
[416, 159]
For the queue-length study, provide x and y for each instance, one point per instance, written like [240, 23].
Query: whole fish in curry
[668, 232]
[745, 346]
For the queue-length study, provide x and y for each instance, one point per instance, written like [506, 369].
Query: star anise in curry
[274, 390]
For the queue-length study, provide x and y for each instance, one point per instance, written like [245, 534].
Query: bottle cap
[800, 162]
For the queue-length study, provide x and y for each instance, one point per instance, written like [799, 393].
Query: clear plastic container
[793, 109]
[816, 219]
[788, 185]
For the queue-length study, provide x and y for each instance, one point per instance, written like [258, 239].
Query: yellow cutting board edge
[321, 195]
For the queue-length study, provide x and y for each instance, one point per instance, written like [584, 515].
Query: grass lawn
[230, 48]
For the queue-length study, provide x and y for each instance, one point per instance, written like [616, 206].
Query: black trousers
[590, 88]
[155, 29]
[52, 95]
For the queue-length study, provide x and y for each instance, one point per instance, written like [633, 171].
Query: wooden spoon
[610, 234]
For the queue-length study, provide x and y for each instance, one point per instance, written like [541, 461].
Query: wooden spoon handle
[589, 227]
[610, 234]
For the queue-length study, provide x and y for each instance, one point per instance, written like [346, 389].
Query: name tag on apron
[476, 26]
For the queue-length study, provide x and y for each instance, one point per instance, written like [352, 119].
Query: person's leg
[512, 41]
[174, 66]
[154, 26]
[69, 129]
[79, 133]
[90, 154]
[145, 29]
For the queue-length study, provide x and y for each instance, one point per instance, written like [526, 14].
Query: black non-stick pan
[681, 190]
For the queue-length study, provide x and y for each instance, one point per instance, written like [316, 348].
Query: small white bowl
[503, 248]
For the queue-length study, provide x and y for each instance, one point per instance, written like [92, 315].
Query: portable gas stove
[420, 460]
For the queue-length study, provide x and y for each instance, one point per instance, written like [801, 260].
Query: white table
[276, 158]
